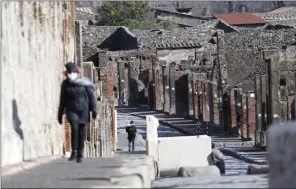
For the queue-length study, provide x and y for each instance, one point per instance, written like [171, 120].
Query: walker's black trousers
[77, 136]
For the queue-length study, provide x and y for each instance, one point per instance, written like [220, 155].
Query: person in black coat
[77, 100]
[131, 135]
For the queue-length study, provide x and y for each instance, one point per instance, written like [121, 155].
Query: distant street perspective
[142, 94]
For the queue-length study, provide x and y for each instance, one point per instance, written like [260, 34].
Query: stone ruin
[168, 70]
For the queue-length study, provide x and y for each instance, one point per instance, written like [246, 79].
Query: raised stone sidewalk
[123, 171]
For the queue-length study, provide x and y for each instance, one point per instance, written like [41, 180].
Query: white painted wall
[32, 63]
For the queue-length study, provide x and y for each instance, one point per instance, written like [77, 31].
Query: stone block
[282, 155]
[152, 126]
[140, 170]
[142, 166]
[257, 169]
[268, 54]
[142, 160]
[207, 171]
[152, 136]
[184, 151]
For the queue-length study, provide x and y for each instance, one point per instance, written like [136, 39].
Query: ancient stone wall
[243, 51]
[39, 39]
[247, 54]
[84, 16]
[135, 75]
[176, 55]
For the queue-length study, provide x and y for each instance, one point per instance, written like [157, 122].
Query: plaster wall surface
[38, 40]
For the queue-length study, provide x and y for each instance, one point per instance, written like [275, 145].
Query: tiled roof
[240, 18]
[93, 36]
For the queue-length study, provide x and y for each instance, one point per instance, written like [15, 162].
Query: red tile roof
[240, 18]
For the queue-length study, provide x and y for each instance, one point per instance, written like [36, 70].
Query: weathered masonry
[204, 73]
[39, 39]
[262, 85]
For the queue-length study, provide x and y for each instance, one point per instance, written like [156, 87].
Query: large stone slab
[152, 136]
[282, 155]
[139, 161]
[257, 169]
[208, 171]
[184, 151]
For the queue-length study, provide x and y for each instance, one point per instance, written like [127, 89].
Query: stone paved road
[124, 118]
[235, 169]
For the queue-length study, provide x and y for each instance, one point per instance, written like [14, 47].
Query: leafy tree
[133, 14]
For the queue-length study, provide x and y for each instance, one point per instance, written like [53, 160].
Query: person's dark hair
[132, 122]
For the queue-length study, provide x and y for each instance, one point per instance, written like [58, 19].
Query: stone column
[215, 104]
[259, 118]
[265, 110]
[233, 114]
[191, 94]
[200, 100]
[239, 111]
[206, 109]
[158, 86]
[283, 103]
[172, 69]
[211, 102]
[273, 83]
[244, 115]
[251, 115]
[103, 64]
[221, 53]
[79, 43]
[196, 105]
[166, 87]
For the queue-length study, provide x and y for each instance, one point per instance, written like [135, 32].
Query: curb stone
[234, 154]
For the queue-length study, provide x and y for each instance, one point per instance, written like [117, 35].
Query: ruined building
[206, 72]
